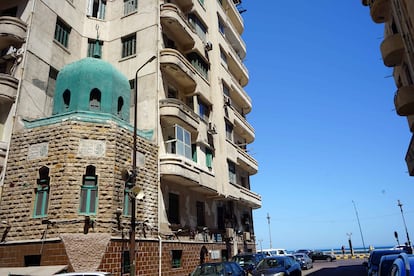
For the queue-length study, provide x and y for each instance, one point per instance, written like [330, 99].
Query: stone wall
[57, 146]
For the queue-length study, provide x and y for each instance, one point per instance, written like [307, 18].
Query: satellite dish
[137, 192]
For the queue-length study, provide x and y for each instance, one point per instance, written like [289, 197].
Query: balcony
[12, 31]
[240, 97]
[392, 50]
[245, 196]
[243, 128]
[8, 88]
[250, 198]
[185, 5]
[409, 157]
[173, 111]
[246, 161]
[234, 39]
[178, 169]
[380, 10]
[404, 101]
[177, 68]
[233, 15]
[237, 68]
[176, 25]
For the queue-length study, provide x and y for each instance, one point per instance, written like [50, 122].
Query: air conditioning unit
[229, 232]
[208, 46]
[246, 236]
[237, 2]
[212, 128]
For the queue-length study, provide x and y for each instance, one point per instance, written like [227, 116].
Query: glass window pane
[179, 133]
[187, 138]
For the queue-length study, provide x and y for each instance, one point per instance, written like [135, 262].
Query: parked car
[248, 261]
[278, 265]
[219, 269]
[274, 252]
[403, 265]
[306, 251]
[385, 264]
[304, 260]
[320, 255]
[375, 258]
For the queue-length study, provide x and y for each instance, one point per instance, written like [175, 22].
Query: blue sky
[327, 133]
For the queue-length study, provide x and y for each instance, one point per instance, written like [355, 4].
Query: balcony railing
[180, 170]
[246, 161]
[12, 31]
[174, 64]
[175, 24]
[247, 131]
[392, 50]
[404, 101]
[8, 88]
[380, 10]
[175, 111]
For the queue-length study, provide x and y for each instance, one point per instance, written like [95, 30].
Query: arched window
[89, 192]
[42, 193]
[66, 98]
[95, 99]
[120, 105]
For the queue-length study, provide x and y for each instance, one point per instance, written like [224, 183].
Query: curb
[346, 257]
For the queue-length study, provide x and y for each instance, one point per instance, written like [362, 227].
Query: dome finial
[97, 48]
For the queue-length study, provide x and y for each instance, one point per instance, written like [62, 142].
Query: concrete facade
[194, 162]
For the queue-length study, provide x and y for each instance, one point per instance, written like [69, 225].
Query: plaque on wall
[37, 151]
[91, 148]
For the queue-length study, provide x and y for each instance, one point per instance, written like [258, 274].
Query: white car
[274, 252]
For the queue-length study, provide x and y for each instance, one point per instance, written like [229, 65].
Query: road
[352, 267]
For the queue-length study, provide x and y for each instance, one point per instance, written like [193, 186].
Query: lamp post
[405, 225]
[134, 174]
[270, 234]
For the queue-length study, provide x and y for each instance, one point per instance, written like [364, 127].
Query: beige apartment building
[397, 50]
[95, 93]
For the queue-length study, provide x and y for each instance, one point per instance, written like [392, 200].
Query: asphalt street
[349, 267]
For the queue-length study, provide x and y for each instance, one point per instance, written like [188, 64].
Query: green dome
[92, 84]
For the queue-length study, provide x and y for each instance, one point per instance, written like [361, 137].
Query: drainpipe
[159, 254]
[158, 11]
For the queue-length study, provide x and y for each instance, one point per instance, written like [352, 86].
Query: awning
[32, 270]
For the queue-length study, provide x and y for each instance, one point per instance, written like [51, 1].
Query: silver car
[304, 260]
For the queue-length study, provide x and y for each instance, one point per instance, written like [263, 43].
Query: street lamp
[406, 231]
[270, 234]
[134, 173]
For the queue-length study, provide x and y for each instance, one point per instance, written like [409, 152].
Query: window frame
[88, 202]
[129, 45]
[62, 32]
[232, 171]
[42, 191]
[130, 6]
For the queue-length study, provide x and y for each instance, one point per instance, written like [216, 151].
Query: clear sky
[327, 133]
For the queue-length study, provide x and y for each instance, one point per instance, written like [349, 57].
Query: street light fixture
[134, 173]
[405, 225]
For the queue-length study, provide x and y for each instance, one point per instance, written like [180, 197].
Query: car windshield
[270, 263]
[243, 259]
[209, 270]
